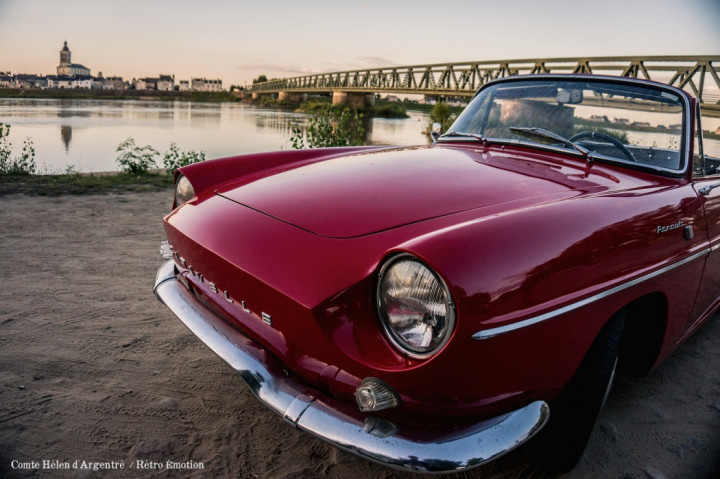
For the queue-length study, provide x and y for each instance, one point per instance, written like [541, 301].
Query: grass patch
[83, 184]
[316, 105]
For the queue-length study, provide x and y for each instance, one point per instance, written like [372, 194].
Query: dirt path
[93, 368]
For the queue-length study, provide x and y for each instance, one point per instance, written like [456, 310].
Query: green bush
[330, 126]
[314, 106]
[136, 160]
[441, 113]
[175, 158]
[389, 110]
[20, 165]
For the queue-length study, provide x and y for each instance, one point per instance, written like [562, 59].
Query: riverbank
[84, 184]
[93, 368]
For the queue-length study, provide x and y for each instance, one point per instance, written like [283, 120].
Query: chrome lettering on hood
[265, 317]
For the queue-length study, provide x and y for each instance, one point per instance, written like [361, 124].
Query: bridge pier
[292, 96]
[256, 96]
[359, 101]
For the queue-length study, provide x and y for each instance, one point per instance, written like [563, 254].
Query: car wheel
[573, 413]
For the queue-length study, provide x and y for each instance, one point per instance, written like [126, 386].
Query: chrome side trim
[490, 333]
[340, 424]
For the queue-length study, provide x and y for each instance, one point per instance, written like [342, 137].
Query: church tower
[65, 55]
[66, 66]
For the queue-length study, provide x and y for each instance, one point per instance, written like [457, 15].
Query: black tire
[561, 443]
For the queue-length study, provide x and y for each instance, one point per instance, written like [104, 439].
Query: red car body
[539, 249]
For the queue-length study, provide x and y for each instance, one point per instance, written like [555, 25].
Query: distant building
[162, 83]
[203, 84]
[7, 80]
[70, 81]
[166, 83]
[109, 83]
[117, 83]
[68, 68]
[30, 81]
[146, 84]
[184, 85]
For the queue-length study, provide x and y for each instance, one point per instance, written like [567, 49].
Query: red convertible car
[433, 307]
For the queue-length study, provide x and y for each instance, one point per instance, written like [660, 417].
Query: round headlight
[184, 191]
[415, 307]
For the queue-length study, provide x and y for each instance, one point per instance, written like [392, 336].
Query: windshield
[599, 119]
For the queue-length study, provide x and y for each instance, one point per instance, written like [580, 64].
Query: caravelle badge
[265, 317]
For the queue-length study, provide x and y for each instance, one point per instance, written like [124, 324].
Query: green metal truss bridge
[699, 75]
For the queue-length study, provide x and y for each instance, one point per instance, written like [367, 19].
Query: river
[83, 135]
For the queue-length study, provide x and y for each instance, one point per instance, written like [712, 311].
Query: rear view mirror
[436, 131]
[569, 96]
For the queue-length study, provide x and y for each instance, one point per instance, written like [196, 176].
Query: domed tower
[65, 66]
[65, 55]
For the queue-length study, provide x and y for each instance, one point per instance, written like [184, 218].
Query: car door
[706, 181]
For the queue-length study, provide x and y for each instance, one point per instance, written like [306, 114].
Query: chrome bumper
[337, 423]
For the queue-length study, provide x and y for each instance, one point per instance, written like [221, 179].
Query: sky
[238, 40]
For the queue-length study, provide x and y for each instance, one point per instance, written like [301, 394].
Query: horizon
[177, 38]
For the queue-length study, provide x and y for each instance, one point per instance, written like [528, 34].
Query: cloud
[376, 61]
[284, 69]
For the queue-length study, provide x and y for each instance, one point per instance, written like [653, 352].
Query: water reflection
[66, 136]
[218, 129]
[280, 122]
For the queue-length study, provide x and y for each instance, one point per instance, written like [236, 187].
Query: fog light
[166, 250]
[379, 427]
[375, 395]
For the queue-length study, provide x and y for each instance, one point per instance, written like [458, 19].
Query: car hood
[370, 192]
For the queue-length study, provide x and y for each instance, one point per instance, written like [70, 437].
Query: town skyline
[237, 41]
[71, 75]
[74, 75]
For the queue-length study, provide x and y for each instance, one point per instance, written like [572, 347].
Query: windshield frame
[685, 133]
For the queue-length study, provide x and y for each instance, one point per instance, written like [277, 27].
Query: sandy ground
[93, 368]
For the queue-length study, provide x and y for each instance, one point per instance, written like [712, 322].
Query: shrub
[136, 160]
[175, 158]
[20, 165]
[330, 126]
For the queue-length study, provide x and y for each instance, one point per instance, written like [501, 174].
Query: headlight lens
[184, 191]
[415, 307]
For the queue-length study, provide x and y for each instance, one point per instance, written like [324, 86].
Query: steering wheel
[608, 138]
